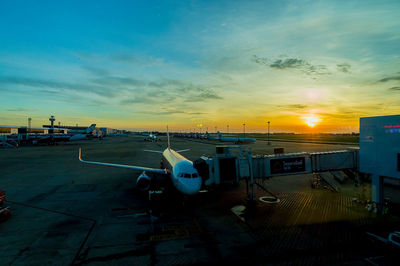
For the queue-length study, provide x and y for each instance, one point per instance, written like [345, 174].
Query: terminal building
[380, 152]
[103, 131]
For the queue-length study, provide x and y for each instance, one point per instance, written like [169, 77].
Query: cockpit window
[187, 175]
[195, 175]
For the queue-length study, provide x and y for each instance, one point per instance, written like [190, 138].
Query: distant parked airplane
[82, 134]
[180, 170]
[152, 137]
[233, 139]
[72, 135]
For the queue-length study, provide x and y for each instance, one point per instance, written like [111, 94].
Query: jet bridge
[233, 163]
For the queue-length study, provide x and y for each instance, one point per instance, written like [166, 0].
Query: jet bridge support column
[250, 159]
[377, 191]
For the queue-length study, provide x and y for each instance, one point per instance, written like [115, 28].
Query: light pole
[227, 129]
[268, 134]
[29, 124]
[215, 129]
[244, 130]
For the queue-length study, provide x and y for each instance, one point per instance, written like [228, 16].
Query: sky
[305, 66]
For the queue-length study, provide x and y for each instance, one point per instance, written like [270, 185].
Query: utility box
[380, 146]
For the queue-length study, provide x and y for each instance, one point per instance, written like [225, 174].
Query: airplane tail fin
[219, 135]
[169, 145]
[91, 128]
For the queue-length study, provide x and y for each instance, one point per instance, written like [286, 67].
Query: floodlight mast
[29, 124]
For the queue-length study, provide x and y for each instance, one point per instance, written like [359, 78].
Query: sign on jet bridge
[287, 165]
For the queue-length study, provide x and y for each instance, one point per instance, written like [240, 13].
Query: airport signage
[288, 165]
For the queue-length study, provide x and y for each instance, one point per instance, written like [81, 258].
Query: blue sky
[142, 64]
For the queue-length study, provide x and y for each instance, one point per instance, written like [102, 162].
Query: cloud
[288, 63]
[260, 60]
[85, 56]
[293, 106]
[292, 63]
[342, 115]
[394, 89]
[120, 81]
[164, 84]
[124, 90]
[18, 109]
[127, 58]
[169, 111]
[59, 85]
[96, 70]
[140, 100]
[165, 90]
[345, 68]
[206, 94]
[170, 95]
[389, 78]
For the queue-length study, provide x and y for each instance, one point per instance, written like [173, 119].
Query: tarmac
[68, 213]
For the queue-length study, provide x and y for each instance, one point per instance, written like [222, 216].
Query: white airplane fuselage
[183, 175]
[237, 140]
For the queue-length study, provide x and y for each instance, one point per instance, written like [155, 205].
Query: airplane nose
[192, 186]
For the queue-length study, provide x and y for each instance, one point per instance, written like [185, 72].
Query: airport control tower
[52, 119]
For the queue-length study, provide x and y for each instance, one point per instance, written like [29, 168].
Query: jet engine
[143, 182]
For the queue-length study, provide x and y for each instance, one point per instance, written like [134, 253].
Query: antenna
[169, 146]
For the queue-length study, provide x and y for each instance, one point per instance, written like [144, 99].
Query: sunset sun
[311, 121]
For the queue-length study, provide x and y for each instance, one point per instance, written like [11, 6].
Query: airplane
[72, 130]
[152, 137]
[180, 170]
[52, 138]
[82, 134]
[75, 135]
[235, 140]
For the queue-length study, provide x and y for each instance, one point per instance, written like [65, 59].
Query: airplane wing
[138, 168]
[183, 150]
[154, 151]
